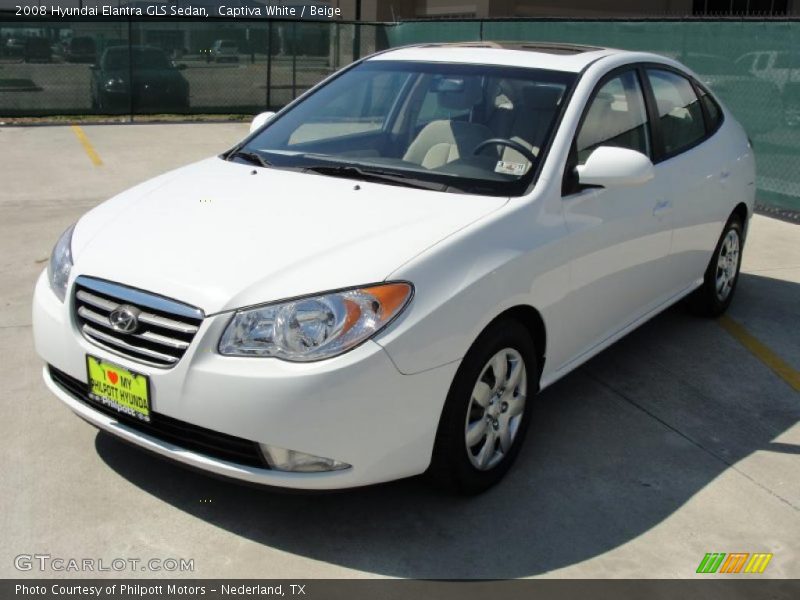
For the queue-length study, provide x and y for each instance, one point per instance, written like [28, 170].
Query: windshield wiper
[378, 176]
[251, 157]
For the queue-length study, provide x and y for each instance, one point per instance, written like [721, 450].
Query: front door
[620, 238]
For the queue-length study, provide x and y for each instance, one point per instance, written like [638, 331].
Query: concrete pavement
[675, 442]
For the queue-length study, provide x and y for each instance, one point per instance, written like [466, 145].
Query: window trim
[663, 155]
[710, 130]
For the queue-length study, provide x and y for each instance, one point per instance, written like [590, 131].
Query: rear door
[697, 166]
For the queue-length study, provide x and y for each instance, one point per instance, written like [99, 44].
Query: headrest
[463, 99]
[540, 97]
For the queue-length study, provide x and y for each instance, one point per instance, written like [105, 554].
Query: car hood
[221, 235]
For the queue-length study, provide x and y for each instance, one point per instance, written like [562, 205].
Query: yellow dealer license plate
[118, 388]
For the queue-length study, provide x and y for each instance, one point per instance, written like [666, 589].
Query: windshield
[143, 58]
[436, 122]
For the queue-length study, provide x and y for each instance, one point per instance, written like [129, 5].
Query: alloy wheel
[496, 407]
[727, 265]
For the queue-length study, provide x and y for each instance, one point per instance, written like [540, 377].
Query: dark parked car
[114, 42]
[149, 81]
[14, 47]
[80, 50]
[37, 49]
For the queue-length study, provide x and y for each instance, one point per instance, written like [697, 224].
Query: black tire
[706, 300]
[451, 467]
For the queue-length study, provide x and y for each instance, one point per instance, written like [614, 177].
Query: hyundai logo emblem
[124, 319]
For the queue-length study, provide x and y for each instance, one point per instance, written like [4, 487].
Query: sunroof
[551, 48]
[545, 47]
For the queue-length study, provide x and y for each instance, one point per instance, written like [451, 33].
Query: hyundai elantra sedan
[379, 279]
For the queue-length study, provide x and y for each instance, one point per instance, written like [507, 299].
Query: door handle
[662, 207]
[723, 176]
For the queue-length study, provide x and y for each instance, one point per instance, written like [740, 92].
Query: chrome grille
[165, 328]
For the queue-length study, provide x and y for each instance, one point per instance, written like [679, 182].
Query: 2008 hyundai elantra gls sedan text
[376, 282]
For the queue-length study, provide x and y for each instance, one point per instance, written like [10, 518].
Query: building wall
[390, 10]
[591, 8]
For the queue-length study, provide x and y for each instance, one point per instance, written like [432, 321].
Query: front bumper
[356, 408]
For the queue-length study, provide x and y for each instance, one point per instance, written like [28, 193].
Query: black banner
[383, 589]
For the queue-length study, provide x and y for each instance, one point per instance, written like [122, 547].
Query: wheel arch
[530, 318]
[741, 212]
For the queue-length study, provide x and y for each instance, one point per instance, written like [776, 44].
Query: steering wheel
[506, 142]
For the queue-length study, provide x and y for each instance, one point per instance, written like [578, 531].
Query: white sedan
[378, 280]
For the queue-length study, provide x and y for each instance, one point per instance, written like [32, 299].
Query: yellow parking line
[87, 146]
[781, 368]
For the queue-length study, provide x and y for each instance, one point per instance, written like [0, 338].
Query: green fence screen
[754, 66]
[135, 67]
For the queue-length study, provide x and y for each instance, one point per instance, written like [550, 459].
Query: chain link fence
[141, 67]
[100, 67]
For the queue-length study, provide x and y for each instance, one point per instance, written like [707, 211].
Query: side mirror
[609, 166]
[260, 120]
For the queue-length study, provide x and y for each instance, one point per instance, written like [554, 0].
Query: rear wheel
[487, 411]
[714, 296]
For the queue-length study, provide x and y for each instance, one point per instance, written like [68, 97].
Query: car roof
[543, 55]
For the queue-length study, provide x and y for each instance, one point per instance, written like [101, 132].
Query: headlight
[316, 327]
[60, 264]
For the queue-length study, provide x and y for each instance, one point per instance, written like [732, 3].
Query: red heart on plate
[112, 377]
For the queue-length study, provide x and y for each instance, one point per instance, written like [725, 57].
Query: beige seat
[532, 119]
[441, 142]
[444, 140]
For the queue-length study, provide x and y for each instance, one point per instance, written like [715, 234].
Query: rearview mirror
[609, 166]
[260, 119]
[447, 85]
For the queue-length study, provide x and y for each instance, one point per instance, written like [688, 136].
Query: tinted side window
[679, 110]
[712, 110]
[616, 117]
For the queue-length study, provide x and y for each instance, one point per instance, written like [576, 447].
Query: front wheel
[487, 411]
[713, 297]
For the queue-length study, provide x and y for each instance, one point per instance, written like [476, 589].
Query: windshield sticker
[510, 168]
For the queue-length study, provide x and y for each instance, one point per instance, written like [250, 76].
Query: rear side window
[713, 110]
[679, 111]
